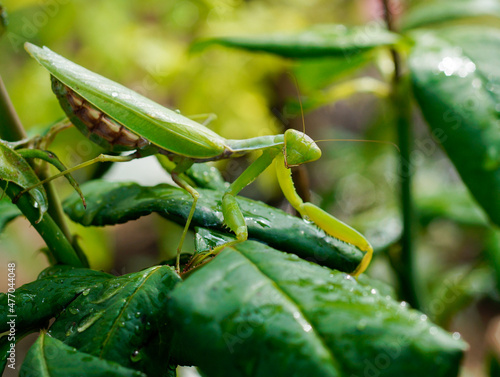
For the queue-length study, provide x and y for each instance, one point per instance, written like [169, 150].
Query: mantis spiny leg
[181, 167]
[321, 218]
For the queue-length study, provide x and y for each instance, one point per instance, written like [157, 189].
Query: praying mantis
[121, 120]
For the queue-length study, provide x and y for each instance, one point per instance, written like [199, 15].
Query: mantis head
[299, 148]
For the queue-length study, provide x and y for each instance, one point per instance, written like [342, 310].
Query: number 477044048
[120, 120]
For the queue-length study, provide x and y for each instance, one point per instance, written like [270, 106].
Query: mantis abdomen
[94, 124]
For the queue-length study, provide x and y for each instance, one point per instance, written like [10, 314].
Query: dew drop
[114, 94]
[307, 328]
[456, 335]
[403, 304]
[361, 325]
[73, 310]
[477, 84]
[423, 317]
[136, 356]
[373, 291]
[86, 292]
[88, 321]
[460, 66]
[433, 330]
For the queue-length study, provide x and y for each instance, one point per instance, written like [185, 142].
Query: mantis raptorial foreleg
[230, 209]
[322, 219]
[233, 217]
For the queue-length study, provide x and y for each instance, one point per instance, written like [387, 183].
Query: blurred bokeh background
[146, 46]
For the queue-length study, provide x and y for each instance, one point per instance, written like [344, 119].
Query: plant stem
[58, 244]
[11, 128]
[405, 266]
[54, 231]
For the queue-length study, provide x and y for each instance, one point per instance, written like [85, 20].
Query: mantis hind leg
[323, 219]
[175, 173]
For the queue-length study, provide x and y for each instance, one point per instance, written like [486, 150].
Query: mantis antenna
[322, 140]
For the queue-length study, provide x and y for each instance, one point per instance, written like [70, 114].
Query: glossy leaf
[206, 239]
[111, 203]
[42, 299]
[254, 311]
[8, 212]
[122, 320]
[453, 203]
[198, 175]
[456, 82]
[316, 74]
[15, 169]
[432, 12]
[50, 357]
[320, 41]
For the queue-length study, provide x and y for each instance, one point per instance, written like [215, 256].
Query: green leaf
[432, 12]
[453, 203]
[198, 175]
[111, 203]
[42, 299]
[8, 212]
[206, 176]
[122, 320]
[456, 82]
[315, 74]
[49, 357]
[319, 41]
[15, 169]
[254, 311]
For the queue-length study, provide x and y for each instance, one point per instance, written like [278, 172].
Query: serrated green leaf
[433, 12]
[42, 299]
[8, 212]
[122, 320]
[111, 203]
[50, 357]
[15, 169]
[319, 41]
[456, 82]
[254, 311]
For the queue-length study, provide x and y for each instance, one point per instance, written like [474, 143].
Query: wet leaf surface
[254, 311]
[111, 203]
[457, 85]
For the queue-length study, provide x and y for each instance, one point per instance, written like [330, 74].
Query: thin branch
[11, 128]
[401, 102]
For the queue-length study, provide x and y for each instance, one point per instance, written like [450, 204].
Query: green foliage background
[145, 46]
